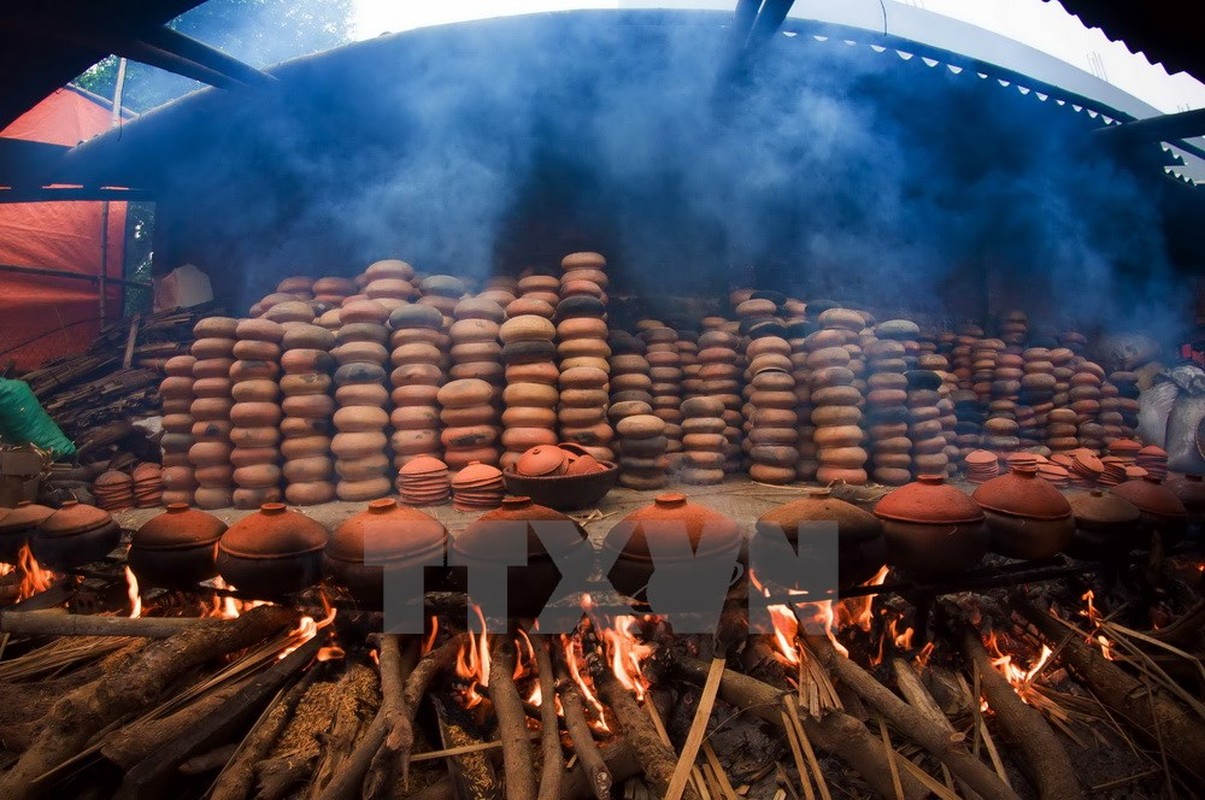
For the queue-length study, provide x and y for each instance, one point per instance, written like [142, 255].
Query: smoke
[828, 170]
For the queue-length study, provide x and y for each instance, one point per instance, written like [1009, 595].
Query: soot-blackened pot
[862, 548]
[17, 525]
[932, 529]
[75, 535]
[176, 549]
[1027, 517]
[273, 552]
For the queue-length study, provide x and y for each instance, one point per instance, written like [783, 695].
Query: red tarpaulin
[61, 315]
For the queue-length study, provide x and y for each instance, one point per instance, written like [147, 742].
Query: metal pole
[114, 121]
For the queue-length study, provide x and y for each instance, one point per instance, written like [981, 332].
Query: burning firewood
[554, 760]
[55, 623]
[512, 722]
[358, 700]
[590, 761]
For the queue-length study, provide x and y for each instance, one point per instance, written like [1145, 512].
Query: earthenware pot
[1028, 518]
[17, 525]
[272, 552]
[1106, 525]
[74, 535]
[176, 549]
[861, 547]
[1162, 511]
[932, 529]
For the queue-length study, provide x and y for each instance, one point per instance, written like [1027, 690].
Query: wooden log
[236, 780]
[51, 623]
[1044, 755]
[656, 759]
[911, 723]
[431, 665]
[1158, 718]
[836, 733]
[593, 765]
[553, 772]
[512, 722]
[358, 701]
[207, 762]
[82, 713]
[1184, 629]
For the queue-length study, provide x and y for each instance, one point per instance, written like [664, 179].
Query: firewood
[590, 760]
[836, 733]
[1044, 754]
[82, 713]
[236, 779]
[1182, 630]
[550, 727]
[207, 762]
[912, 723]
[432, 664]
[50, 623]
[358, 702]
[512, 722]
[1159, 719]
[656, 759]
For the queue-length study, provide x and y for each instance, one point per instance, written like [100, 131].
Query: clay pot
[273, 552]
[862, 549]
[932, 529]
[568, 492]
[17, 525]
[668, 516]
[74, 535]
[529, 586]
[1106, 525]
[392, 537]
[1028, 518]
[1162, 511]
[175, 550]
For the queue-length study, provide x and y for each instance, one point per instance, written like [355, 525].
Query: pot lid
[929, 500]
[1102, 508]
[1021, 494]
[541, 460]
[389, 531]
[513, 509]
[72, 518]
[1151, 496]
[672, 510]
[23, 518]
[818, 505]
[273, 532]
[177, 528]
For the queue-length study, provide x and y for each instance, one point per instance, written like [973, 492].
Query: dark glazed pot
[529, 588]
[176, 549]
[1107, 526]
[862, 549]
[932, 529]
[74, 535]
[669, 515]
[17, 525]
[1162, 511]
[389, 534]
[564, 492]
[271, 553]
[1027, 517]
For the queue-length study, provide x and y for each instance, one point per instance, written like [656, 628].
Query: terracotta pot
[1028, 518]
[669, 515]
[1162, 511]
[932, 529]
[271, 553]
[176, 549]
[1106, 525]
[74, 535]
[393, 536]
[17, 525]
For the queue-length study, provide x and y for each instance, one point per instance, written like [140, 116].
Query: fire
[1021, 679]
[34, 579]
[572, 659]
[307, 628]
[133, 593]
[227, 607]
[786, 632]
[1096, 618]
[818, 617]
[857, 610]
[429, 641]
[626, 653]
[922, 658]
[473, 662]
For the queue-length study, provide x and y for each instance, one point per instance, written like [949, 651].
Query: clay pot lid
[1124, 446]
[819, 505]
[114, 478]
[73, 518]
[1098, 506]
[177, 528]
[1088, 464]
[423, 465]
[273, 532]
[514, 508]
[476, 475]
[929, 500]
[1151, 496]
[981, 457]
[1020, 494]
[542, 460]
[25, 515]
[1135, 472]
[1022, 460]
[629, 535]
[391, 532]
[1152, 450]
[584, 465]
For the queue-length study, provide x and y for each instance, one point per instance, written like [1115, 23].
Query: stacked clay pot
[330, 292]
[500, 289]
[985, 354]
[584, 399]
[538, 287]
[531, 396]
[148, 485]
[582, 333]
[113, 490]
[584, 274]
[176, 395]
[703, 442]
[1002, 430]
[720, 374]
[476, 355]
[477, 487]
[256, 413]
[308, 408]
[1014, 329]
[962, 355]
[1073, 341]
[1037, 392]
[419, 360]
[754, 309]
[1110, 416]
[661, 351]
[424, 481]
[642, 443]
[1084, 396]
[924, 423]
[466, 407]
[360, 444]
[390, 282]
[210, 411]
[688, 361]
[805, 443]
[773, 435]
[887, 412]
[442, 292]
[631, 378]
[836, 389]
[1127, 400]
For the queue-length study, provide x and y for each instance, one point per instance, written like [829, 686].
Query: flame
[571, 662]
[626, 653]
[227, 607]
[5, 569]
[34, 579]
[922, 658]
[818, 617]
[307, 628]
[1021, 679]
[786, 632]
[473, 662]
[1094, 616]
[857, 610]
[429, 641]
[133, 593]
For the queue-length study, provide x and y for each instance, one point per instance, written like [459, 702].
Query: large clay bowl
[564, 492]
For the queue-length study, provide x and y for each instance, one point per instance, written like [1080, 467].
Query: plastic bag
[1183, 454]
[1154, 407]
[24, 421]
